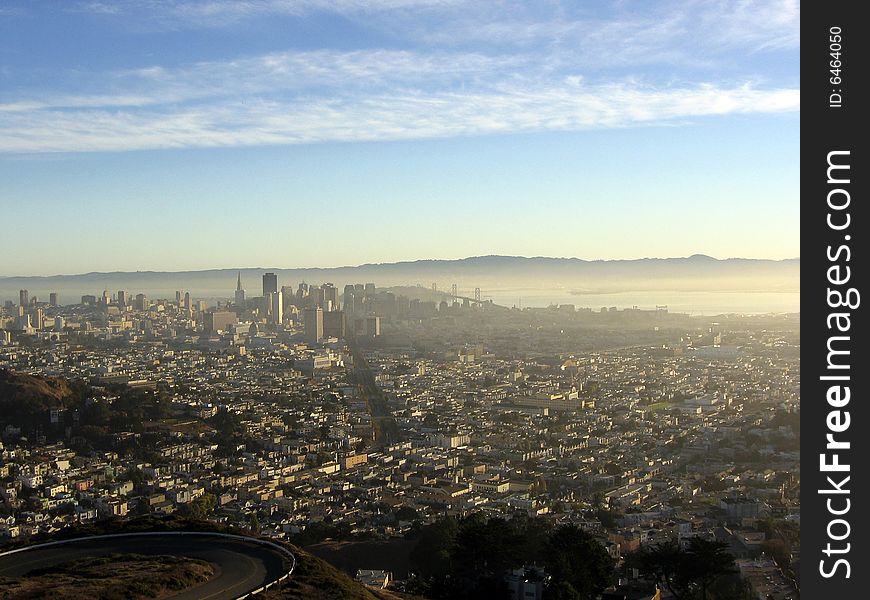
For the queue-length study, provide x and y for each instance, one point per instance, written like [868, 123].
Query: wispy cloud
[478, 68]
[196, 14]
[628, 27]
[381, 117]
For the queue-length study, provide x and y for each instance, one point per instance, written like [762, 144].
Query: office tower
[59, 323]
[330, 297]
[313, 325]
[24, 323]
[240, 293]
[349, 300]
[333, 324]
[370, 289]
[270, 284]
[315, 293]
[187, 300]
[141, 302]
[276, 308]
[89, 299]
[23, 298]
[178, 298]
[219, 320]
[36, 318]
[373, 326]
[52, 299]
[106, 299]
[122, 298]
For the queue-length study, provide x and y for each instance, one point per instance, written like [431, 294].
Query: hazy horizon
[695, 282]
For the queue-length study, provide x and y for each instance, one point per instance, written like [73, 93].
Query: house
[375, 578]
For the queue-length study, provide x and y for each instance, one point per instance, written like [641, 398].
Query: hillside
[25, 400]
[313, 578]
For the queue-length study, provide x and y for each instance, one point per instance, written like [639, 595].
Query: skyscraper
[122, 298]
[333, 324]
[52, 299]
[270, 284]
[330, 297]
[349, 300]
[276, 310]
[240, 293]
[313, 325]
[23, 298]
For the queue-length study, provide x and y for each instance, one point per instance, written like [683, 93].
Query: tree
[254, 522]
[561, 591]
[574, 556]
[431, 556]
[707, 561]
[687, 573]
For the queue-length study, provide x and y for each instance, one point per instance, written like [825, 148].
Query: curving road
[242, 566]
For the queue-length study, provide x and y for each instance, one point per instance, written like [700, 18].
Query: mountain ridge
[694, 273]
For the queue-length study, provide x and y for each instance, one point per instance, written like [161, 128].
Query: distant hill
[693, 273]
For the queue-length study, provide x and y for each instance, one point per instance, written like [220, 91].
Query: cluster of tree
[700, 571]
[469, 557]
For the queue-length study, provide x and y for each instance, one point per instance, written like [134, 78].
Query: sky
[176, 134]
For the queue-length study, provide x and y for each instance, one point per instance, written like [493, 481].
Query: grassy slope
[118, 576]
[313, 579]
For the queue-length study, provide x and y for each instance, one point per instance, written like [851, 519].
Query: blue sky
[171, 134]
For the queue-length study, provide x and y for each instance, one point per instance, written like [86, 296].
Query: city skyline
[205, 135]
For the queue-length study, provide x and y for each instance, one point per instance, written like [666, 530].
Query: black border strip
[834, 262]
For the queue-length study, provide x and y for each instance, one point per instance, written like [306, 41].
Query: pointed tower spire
[239, 284]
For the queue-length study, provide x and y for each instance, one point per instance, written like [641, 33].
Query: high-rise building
[23, 299]
[313, 324]
[37, 317]
[370, 289]
[240, 292]
[122, 298]
[270, 284]
[333, 324]
[106, 299]
[52, 299]
[315, 292]
[24, 323]
[330, 297]
[141, 302]
[178, 298]
[276, 308]
[373, 326]
[59, 323]
[216, 321]
[187, 300]
[348, 302]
